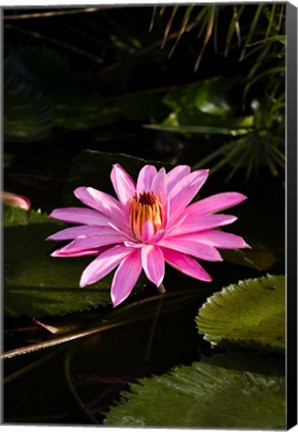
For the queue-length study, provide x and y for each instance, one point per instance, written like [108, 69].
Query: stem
[161, 289]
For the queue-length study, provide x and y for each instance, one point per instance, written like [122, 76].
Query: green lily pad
[225, 391]
[251, 314]
[35, 284]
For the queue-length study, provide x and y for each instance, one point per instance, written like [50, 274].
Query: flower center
[145, 207]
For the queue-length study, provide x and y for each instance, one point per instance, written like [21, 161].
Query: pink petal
[145, 178]
[79, 215]
[103, 264]
[190, 246]
[102, 202]
[73, 232]
[159, 184]
[166, 211]
[221, 240]
[80, 244]
[196, 223]
[153, 264]
[184, 191]
[157, 236]
[126, 276]
[176, 174]
[64, 252]
[186, 264]
[133, 244]
[126, 231]
[124, 185]
[215, 203]
[147, 231]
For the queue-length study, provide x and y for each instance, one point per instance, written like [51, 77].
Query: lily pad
[251, 314]
[225, 391]
[35, 284]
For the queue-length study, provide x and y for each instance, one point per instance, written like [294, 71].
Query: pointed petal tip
[78, 189]
[81, 190]
[207, 278]
[159, 282]
[205, 171]
[90, 188]
[53, 214]
[115, 301]
[241, 196]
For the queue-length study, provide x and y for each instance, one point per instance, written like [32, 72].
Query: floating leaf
[93, 168]
[37, 284]
[225, 391]
[251, 313]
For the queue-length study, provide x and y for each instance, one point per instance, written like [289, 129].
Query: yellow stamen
[145, 207]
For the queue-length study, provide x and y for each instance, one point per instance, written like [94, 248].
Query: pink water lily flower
[149, 225]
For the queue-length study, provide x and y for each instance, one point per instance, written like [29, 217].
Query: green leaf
[76, 112]
[251, 314]
[93, 168]
[37, 284]
[197, 130]
[206, 96]
[225, 391]
[193, 117]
